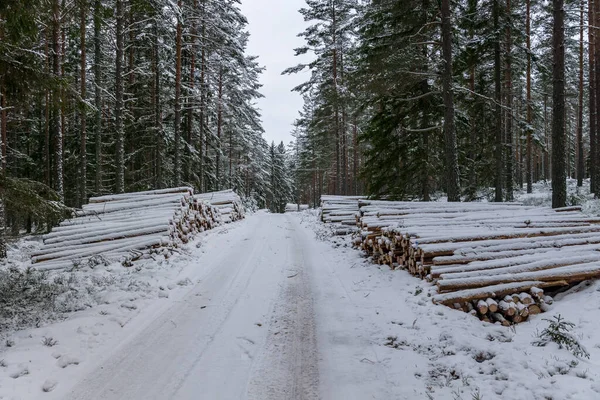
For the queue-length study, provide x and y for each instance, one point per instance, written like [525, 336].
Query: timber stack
[493, 260]
[341, 211]
[290, 208]
[127, 227]
[228, 202]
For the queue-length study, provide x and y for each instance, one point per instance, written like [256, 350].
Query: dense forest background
[406, 99]
[472, 98]
[102, 96]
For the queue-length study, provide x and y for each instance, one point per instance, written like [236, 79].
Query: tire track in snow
[288, 368]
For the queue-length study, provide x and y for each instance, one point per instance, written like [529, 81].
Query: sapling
[559, 332]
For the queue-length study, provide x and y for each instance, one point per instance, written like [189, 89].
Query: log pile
[125, 226]
[228, 202]
[290, 207]
[493, 260]
[341, 211]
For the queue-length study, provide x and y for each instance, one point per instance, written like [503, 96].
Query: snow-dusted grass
[435, 352]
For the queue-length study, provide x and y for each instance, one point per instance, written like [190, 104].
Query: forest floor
[274, 307]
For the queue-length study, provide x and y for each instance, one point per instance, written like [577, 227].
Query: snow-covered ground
[274, 307]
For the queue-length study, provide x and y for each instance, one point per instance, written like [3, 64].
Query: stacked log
[127, 226]
[228, 202]
[477, 254]
[340, 211]
[290, 207]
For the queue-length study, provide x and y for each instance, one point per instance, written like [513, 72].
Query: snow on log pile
[341, 211]
[125, 226]
[291, 208]
[493, 260]
[228, 202]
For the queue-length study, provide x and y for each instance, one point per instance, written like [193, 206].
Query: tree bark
[202, 111]
[595, 158]
[219, 130]
[159, 150]
[120, 134]
[452, 174]
[580, 153]
[98, 93]
[498, 109]
[509, 108]
[56, 101]
[338, 167]
[192, 83]
[3, 130]
[529, 111]
[82, 117]
[559, 184]
[592, 94]
[177, 127]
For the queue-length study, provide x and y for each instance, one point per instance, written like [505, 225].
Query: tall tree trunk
[129, 95]
[202, 110]
[3, 145]
[3, 153]
[159, 152]
[498, 148]
[559, 184]
[3, 130]
[230, 158]
[338, 167]
[64, 103]
[2, 228]
[452, 174]
[355, 164]
[48, 107]
[529, 111]
[344, 122]
[425, 181]
[192, 83]
[98, 93]
[546, 140]
[219, 129]
[580, 154]
[509, 108]
[595, 156]
[120, 138]
[177, 127]
[56, 101]
[592, 94]
[82, 117]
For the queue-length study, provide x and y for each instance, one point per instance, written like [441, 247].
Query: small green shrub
[559, 332]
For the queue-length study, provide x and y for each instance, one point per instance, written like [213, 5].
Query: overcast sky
[274, 26]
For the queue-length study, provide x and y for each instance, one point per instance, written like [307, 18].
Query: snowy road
[260, 324]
